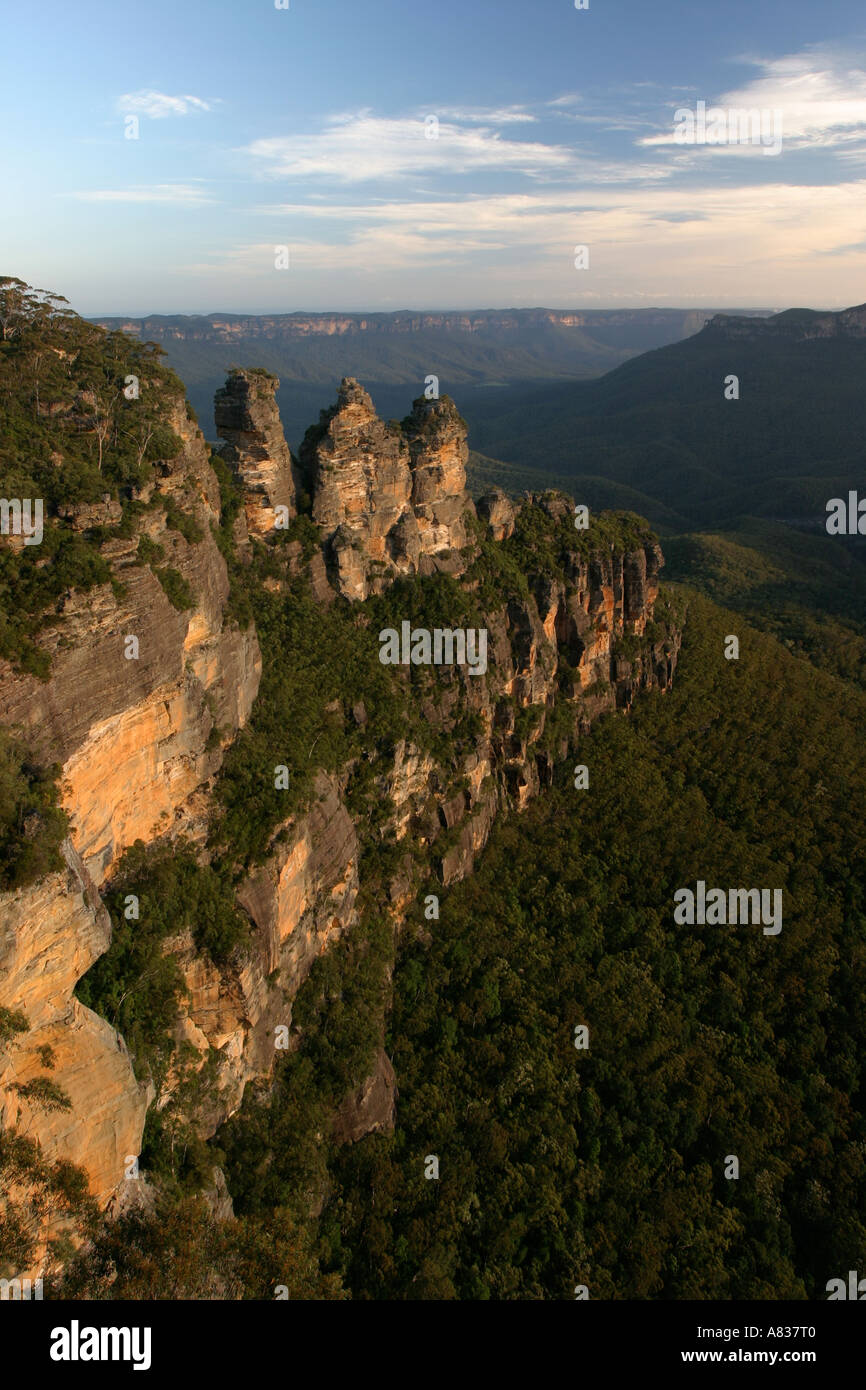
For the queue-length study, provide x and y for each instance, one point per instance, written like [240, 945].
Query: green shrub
[150, 552]
[12, 1021]
[32, 824]
[181, 521]
[43, 1094]
[177, 590]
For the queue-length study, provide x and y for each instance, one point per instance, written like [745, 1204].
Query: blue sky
[309, 128]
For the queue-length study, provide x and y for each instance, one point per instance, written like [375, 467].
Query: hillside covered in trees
[601, 1165]
[431, 1130]
[606, 1166]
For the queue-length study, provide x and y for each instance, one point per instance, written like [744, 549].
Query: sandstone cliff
[574, 646]
[228, 328]
[140, 740]
[50, 934]
[298, 902]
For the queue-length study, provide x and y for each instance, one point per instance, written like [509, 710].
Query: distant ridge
[662, 425]
[296, 325]
[797, 324]
[478, 352]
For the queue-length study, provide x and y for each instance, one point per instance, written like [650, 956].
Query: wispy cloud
[485, 115]
[820, 92]
[361, 147]
[677, 229]
[158, 105]
[183, 193]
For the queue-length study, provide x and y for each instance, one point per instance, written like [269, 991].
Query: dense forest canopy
[607, 1166]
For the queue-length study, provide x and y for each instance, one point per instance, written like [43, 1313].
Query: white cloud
[771, 233]
[360, 146]
[821, 94]
[657, 230]
[184, 193]
[158, 105]
[484, 115]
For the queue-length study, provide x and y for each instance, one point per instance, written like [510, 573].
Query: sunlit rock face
[136, 690]
[388, 499]
[300, 900]
[439, 452]
[136, 685]
[497, 510]
[50, 935]
[248, 421]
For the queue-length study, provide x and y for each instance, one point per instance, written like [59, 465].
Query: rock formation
[139, 740]
[359, 479]
[438, 453]
[372, 1107]
[388, 500]
[247, 418]
[496, 509]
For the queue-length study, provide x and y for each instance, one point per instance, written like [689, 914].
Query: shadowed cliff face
[139, 741]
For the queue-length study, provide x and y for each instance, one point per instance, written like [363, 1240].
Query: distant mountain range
[797, 325]
[473, 353]
[658, 435]
[738, 488]
[623, 409]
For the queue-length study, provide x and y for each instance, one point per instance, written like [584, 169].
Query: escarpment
[798, 325]
[139, 689]
[143, 741]
[146, 679]
[570, 645]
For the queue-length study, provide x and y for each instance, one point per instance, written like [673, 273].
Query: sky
[254, 156]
